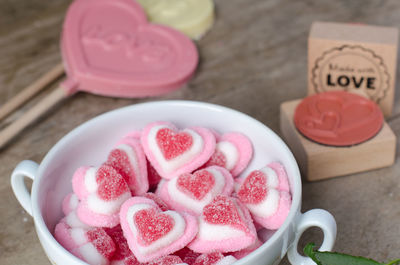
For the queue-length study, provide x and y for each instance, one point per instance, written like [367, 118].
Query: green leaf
[334, 258]
[394, 262]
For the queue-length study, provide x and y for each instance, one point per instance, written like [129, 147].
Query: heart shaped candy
[122, 251]
[265, 193]
[160, 203]
[167, 260]
[129, 160]
[101, 191]
[99, 248]
[233, 152]
[92, 245]
[110, 49]
[225, 225]
[173, 152]
[152, 175]
[187, 255]
[214, 258]
[152, 233]
[191, 192]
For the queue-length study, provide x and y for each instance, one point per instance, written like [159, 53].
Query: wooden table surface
[253, 59]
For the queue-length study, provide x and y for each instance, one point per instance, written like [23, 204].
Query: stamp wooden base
[318, 161]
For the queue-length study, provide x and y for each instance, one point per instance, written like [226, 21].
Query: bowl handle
[313, 218]
[26, 168]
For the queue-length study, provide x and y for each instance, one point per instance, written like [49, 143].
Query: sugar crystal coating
[217, 159]
[102, 242]
[153, 176]
[121, 245]
[187, 255]
[111, 183]
[209, 258]
[254, 188]
[152, 225]
[160, 203]
[112, 180]
[196, 185]
[119, 160]
[131, 260]
[222, 211]
[173, 144]
[167, 260]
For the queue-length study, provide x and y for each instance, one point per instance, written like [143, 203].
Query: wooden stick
[34, 113]
[31, 90]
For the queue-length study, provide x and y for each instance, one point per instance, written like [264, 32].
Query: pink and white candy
[225, 226]
[233, 152]
[167, 260]
[173, 152]
[101, 192]
[99, 248]
[246, 251]
[70, 203]
[123, 255]
[191, 192]
[129, 160]
[152, 175]
[214, 258]
[152, 233]
[93, 245]
[265, 193]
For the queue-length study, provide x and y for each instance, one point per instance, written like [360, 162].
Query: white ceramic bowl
[90, 143]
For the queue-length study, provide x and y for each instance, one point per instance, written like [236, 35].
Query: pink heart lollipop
[110, 49]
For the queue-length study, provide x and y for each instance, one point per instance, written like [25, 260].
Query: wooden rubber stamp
[356, 58]
[336, 133]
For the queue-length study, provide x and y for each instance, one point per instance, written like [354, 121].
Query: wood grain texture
[320, 161]
[252, 60]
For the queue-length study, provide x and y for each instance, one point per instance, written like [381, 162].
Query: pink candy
[152, 233]
[101, 192]
[191, 192]
[214, 258]
[93, 246]
[266, 194]
[199, 214]
[233, 152]
[225, 225]
[129, 160]
[173, 152]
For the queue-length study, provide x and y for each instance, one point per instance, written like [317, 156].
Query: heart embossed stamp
[338, 118]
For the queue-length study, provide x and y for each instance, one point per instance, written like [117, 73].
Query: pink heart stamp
[152, 233]
[173, 152]
[109, 48]
[191, 192]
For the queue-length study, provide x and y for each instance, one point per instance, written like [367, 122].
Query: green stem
[394, 262]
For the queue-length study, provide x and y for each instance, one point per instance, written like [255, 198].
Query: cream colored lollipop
[192, 17]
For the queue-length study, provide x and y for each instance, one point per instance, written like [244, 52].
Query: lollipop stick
[31, 90]
[31, 115]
